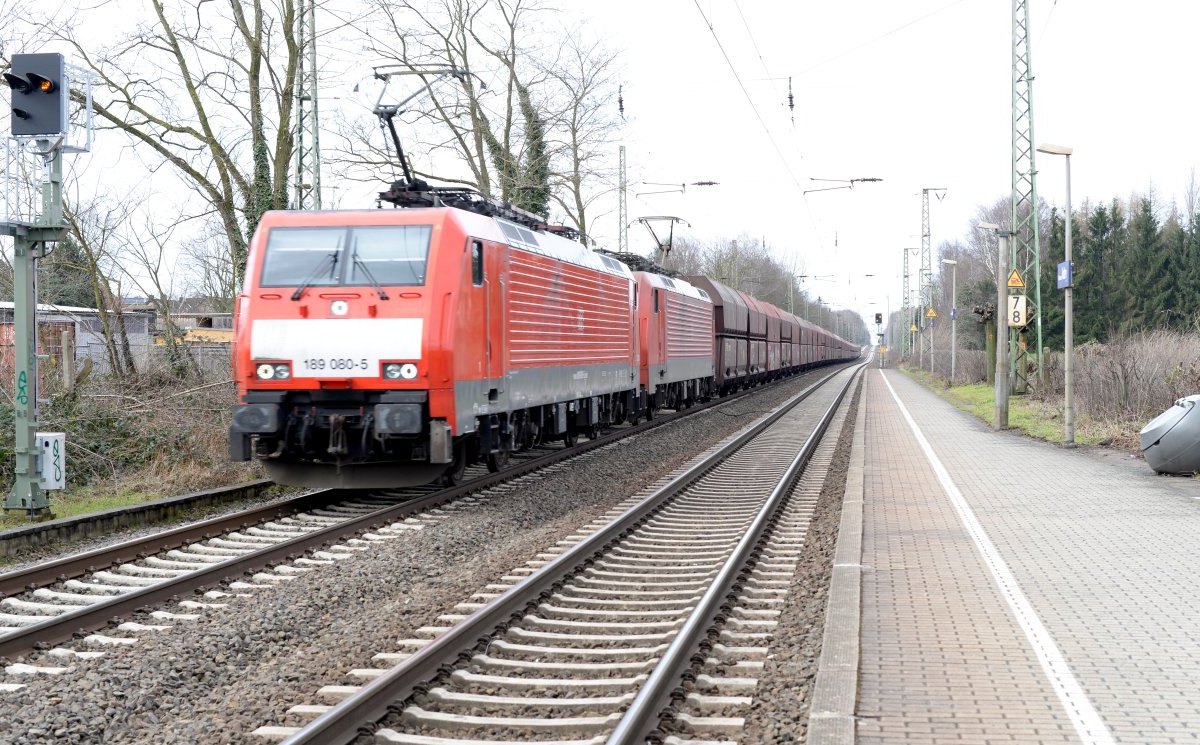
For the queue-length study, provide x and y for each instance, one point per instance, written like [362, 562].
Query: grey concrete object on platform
[1171, 441]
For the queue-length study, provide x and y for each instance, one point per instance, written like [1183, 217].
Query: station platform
[990, 588]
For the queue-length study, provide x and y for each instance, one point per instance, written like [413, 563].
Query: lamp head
[1053, 149]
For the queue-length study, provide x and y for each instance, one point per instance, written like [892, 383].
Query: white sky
[916, 92]
[926, 105]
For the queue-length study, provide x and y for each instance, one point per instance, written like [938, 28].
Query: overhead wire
[882, 36]
[754, 43]
[759, 115]
[856, 48]
[1042, 34]
[749, 100]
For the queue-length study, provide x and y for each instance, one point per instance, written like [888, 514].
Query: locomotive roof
[480, 226]
[675, 285]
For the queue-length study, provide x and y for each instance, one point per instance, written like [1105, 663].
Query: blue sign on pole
[1065, 274]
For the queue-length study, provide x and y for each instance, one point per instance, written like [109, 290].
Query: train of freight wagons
[394, 347]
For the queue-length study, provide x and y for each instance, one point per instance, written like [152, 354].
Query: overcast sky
[916, 92]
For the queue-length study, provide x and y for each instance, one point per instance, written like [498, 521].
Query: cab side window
[656, 301]
[477, 263]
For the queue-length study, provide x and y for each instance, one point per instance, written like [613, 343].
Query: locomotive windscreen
[387, 255]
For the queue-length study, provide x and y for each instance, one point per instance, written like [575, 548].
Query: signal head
[43, 85]
[17, 83]
[39, 98]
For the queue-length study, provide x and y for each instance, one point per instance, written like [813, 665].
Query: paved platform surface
[1013, 591]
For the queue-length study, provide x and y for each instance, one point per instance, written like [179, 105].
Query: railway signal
[39, 98]
[40, 85]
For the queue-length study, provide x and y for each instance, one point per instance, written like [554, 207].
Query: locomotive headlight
[273, 371]
[399, 371]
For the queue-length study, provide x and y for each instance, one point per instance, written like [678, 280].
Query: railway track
[52, 603]
[652, 624]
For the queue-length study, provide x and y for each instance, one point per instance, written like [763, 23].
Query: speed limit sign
[1017, 313]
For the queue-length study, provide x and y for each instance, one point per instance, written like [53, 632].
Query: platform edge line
[1088, 724]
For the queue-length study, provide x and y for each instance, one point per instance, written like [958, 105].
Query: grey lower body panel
[678, 370]
[529, 387]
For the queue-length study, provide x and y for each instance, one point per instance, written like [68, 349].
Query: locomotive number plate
[334, 364]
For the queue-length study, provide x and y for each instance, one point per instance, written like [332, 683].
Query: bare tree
[583, 127]
[98, 227]
[209, 271]
[504, 152]
[209, 87]
[150, 260]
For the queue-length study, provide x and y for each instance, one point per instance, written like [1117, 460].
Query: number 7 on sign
[1017, 315]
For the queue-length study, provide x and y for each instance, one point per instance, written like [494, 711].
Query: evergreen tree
[1089, 276]
[63, 277]
[1168, 290]
[1144, 261]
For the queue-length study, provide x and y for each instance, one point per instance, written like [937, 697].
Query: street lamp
[953, 315]
[1065, 280]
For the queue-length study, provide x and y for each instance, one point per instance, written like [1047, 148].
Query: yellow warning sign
[912, 327]
[1014, 280]
[931, 313]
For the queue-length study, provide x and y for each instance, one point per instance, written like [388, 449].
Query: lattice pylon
[307, 186]
[1024, 215]
[925, 282]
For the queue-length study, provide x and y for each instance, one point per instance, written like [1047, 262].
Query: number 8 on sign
[1017, 315]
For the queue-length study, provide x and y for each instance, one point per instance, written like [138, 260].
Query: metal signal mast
[906, 345]
[308, 147]
[925, 279]
[1025, 257]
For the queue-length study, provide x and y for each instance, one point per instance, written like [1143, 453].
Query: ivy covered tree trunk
[534, 191]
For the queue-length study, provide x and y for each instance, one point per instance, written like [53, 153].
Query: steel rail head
[78, 564]
[644, 714]
[344, 722]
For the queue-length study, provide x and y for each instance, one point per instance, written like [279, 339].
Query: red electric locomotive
[675, 325]
[393, 347]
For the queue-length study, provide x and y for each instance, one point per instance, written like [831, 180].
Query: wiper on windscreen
[331, 259]
[362, 266]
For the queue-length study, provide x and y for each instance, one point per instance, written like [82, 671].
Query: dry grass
[136, 439]
[1118, 386]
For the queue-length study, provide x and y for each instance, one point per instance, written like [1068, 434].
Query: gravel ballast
[779, 713]
[218, 678]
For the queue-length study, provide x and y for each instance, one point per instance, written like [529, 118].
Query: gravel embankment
[218, 678]
[779, 713]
